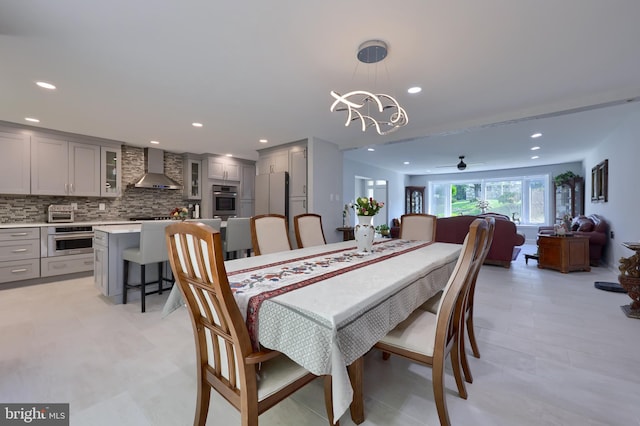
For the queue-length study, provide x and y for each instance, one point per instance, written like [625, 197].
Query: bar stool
[152, 249]
[238, 236]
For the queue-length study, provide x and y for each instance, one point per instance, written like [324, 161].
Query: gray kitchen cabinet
[100, 261]
[64, 168]
[110, 171]
[223, 168]
[70, 264]
[298, 172]
[248, 181]
[192, 171]
[15, 164]
[273, 162]
[108, 268]
[247, 208]
[19, 254]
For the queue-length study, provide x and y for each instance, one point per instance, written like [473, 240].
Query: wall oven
[65, 240]
[225, 201]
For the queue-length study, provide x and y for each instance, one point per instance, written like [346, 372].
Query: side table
[347, 233]
[565, 254]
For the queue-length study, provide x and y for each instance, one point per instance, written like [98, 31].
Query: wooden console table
[347, 233]
[565, 254]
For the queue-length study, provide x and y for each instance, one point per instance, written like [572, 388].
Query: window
[522, 198]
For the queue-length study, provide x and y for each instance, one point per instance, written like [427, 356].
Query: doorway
[376, 189]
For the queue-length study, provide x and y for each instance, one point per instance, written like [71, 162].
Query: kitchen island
[108, 244]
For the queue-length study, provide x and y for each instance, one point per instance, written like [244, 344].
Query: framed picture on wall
[600, 182]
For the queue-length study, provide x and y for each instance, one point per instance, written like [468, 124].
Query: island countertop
[119, 229]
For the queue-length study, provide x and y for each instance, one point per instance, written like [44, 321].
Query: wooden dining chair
[308, 229]
[251, 381]
[432, 304]
[428, 338]
[269, 234]
[418, 226]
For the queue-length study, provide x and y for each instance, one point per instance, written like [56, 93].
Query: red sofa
[505, 238]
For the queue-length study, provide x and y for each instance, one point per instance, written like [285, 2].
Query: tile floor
[555, 351]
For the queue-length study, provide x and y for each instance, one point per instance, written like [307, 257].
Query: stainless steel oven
[65, 240]
[225, 201]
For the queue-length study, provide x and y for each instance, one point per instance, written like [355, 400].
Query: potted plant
[565, 177]
[383, 229]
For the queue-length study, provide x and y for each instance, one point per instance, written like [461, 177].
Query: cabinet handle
[19, 250]
[66, 188]
[19, 234]
[15, 271]
[304, 189]
[88, 262]
[304, 204]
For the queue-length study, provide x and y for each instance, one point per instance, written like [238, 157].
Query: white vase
[364, 233]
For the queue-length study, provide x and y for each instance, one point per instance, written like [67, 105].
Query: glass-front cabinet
[414, 199]
[569, 198]
[110, 172]
[192, 179]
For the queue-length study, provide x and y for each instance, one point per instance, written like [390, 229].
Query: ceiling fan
[461, 165]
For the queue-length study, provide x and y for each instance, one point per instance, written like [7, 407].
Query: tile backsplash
[135, 202]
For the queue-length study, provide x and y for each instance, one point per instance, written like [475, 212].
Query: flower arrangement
[366, 206]
[179, 213]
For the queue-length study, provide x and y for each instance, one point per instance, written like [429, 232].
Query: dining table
[325, 306]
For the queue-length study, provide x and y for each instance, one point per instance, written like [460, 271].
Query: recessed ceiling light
[263, 141]
[45, 85]
[33, 120]
[415, 89]
[535, 157]
[370, 149]
[406, 162]
[229, 155]
[536, 135]
[535, 148]
[155, 142]
[196, 124]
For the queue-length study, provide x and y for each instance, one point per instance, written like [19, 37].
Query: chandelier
[373, 110]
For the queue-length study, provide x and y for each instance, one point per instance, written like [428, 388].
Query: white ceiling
[143, 70]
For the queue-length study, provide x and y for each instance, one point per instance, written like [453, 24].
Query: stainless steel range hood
[154, 176]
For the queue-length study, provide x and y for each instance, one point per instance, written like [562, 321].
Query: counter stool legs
[143, 283]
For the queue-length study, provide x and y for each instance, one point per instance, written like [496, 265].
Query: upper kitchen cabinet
[273, 162]
[223, 168]
[110, 172]
[192, 178]
[15, 164]
[64, 168]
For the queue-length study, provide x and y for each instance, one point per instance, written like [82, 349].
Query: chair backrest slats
[451, 306]
[222, 339]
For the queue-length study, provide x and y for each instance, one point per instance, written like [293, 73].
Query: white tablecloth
[327, 325]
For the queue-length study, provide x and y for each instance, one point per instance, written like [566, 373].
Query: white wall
[622, 149]
[324, 178]
[395, 184]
